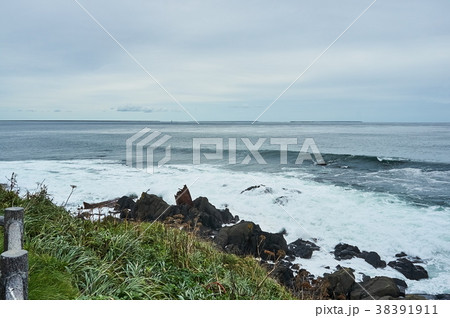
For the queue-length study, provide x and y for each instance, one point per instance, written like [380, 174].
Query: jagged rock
[201, 215]
[302, 248]
[346, 251]
[183, 196]
[266, 189]
[377, 287]
[340, 283]
[408, 269]
[247, 238]
[401, 254]
[150, 207]
[125, 205]
[210, 216]
[373, 259]
[401, 284]
[365, 277]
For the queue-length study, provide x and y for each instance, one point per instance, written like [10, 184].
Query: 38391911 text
[406, 310]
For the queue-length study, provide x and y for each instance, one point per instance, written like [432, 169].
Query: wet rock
[443, 297]
[401, 284]
[200, 215]
[266, 189]
[373, 259]
[340, 283]
[150, 207]
[125, 205]
[365, 277]
[401, 254]
[210, 216]
[346, 251]
[302, 248]
[409, 269]
[377, 287]
[247, 238]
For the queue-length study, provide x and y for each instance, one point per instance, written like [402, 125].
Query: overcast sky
[225, 60]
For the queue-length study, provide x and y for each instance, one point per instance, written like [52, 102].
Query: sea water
[385, 187]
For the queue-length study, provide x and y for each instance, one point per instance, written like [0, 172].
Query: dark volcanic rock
[210, 216]
[266, 189]
[401, 284]
[340, 283]
[247, 238]
[401, 254]
[202, 215]
[377, 287]
[150, 207]
[125, 205]
[365, 278]
[443, 297]
[407, 268]
[346, 251]
[302, 248]
[373, 259]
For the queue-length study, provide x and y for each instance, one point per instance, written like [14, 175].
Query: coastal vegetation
[74, 258]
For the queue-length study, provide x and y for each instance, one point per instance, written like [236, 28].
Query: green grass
[71, 258]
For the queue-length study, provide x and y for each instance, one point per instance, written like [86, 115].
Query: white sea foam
[372, 221]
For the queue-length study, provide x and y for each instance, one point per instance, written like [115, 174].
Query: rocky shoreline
[242, 237]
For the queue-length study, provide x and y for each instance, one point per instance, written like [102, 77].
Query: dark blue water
[411, 161]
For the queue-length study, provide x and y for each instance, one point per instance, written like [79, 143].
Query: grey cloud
[140, 109]
[214, 56]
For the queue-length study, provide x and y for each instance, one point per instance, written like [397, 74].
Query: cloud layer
[225, 60]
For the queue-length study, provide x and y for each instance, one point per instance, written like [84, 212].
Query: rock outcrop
[303, 249]
[409, 269]
[379, 287]
[247, 238]
[344, 251]
[340, 283]
[198, 213]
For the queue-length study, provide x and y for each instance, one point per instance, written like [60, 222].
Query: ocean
[385, 187]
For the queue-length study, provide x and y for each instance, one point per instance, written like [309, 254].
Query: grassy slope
[75, 259]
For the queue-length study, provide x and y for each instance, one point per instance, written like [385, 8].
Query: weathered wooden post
[14, 260]
[14, 278]
[13, 224]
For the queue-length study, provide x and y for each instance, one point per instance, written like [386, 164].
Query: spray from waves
[418, 182]
[373, 221]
